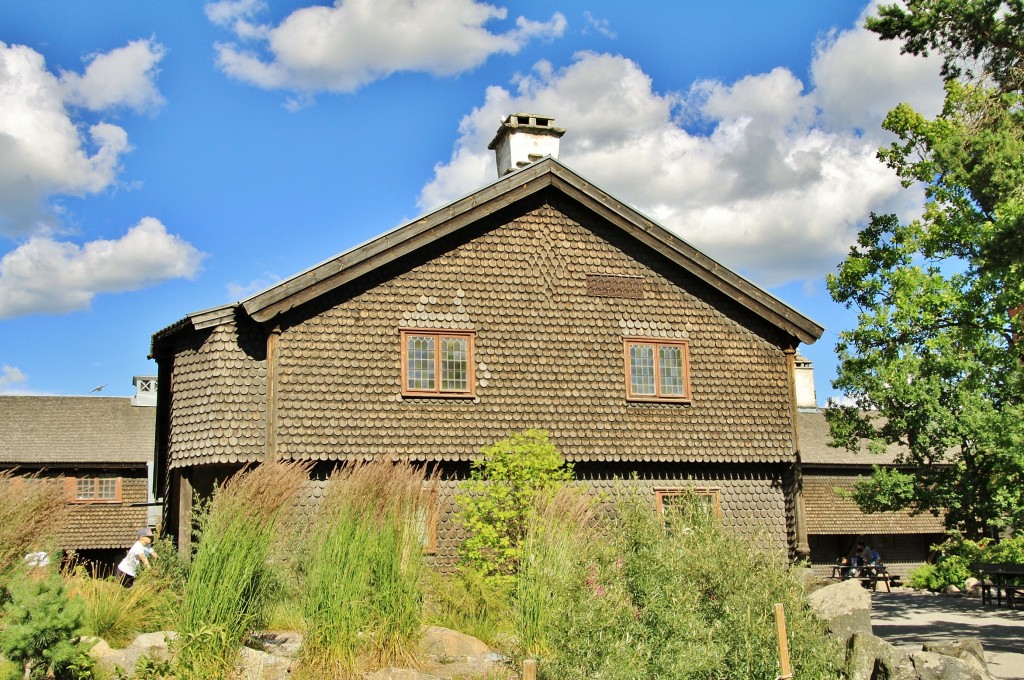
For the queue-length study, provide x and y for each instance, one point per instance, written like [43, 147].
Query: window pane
[85, 488]
[670, 359]
[420, 358]
[454, 364]
[641, 368]
[107, 488]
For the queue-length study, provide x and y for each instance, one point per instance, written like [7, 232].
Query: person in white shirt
[138, 555]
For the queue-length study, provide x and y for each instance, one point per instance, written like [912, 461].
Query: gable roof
[539, 176]
[75, 430]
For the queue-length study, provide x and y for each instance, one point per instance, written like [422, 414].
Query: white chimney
[522, 139]
[806, 399]
[145, 390]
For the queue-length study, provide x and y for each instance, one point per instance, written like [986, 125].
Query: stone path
[909, 619]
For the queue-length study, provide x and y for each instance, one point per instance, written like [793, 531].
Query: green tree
[42, 626]
[935, 363]
[497, 503]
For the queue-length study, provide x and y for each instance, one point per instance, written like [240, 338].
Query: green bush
[686, 602]
[1006, 550]
[42, 629]
[496, 503]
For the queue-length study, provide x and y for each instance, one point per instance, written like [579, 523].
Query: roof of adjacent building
[828, 510]
[75, 430]
[537, 177]
[816, 448]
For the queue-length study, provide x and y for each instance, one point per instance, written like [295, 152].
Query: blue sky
[162, 158]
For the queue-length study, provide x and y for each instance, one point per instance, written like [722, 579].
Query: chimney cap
[527, 122]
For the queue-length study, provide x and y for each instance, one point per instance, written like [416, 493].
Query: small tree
[41, 631]
[497, 504]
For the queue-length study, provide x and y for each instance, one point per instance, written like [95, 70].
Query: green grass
[230, 582]
[115, 613]
[362, 569]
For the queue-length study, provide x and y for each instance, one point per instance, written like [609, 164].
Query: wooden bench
[1000, 581]
[871, 575]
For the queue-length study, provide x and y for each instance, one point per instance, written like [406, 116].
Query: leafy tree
[497, 503]
[935, 362]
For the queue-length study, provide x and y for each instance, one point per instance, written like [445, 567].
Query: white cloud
[122, 77]
[355, 42]
[12, 379]
[776, 181]
[602, 26]
[48, 276]
[240, 291]
[43, 152]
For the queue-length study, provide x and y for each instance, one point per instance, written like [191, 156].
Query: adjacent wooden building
[539, 301]
[99, 450]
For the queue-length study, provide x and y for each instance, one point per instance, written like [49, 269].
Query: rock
[153, 645]
[252, 664]
[967, 650]
[284, 643]
[951, 590]
[99, 648]
[845, 607]
[443, 643]
[933, 666]
[870, 657]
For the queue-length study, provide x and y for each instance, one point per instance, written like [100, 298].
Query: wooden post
[780, 627]
[529, 669]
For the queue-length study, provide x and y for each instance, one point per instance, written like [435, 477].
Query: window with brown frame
[95, 489]
[437, 363]
[687, 500]
[657, 370]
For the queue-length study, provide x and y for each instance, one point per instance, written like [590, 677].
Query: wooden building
[539, 301]
[99, 449]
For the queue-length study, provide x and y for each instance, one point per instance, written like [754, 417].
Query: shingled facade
[555, 306]
[98, 449]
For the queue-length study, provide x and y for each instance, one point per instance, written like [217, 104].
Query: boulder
[153, 645]
[444, 643]
[284, 643]
[933, 666]
[253, 664]
[871, 658]
[951, 590]
[845, 607]
[967, 650]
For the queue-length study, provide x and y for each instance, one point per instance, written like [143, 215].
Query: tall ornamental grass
[230, 581]
[32, 512]
[363, 567]
[553, 557]
[115, 613]
[677, 597]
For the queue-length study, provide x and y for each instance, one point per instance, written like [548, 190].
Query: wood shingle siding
[548, 277]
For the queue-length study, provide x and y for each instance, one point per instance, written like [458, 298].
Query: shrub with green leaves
[42, 627]
[361, 570]
[230, 580]
[496, 504]
[690, 602]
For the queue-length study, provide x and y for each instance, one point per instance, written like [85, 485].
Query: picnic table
[1000, 581]
[870, 575]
